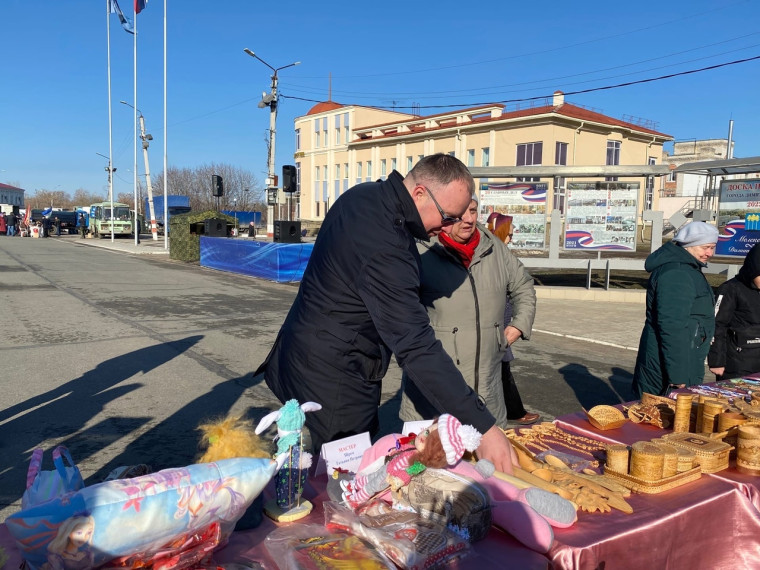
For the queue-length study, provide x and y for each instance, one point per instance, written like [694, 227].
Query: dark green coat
[679, 325]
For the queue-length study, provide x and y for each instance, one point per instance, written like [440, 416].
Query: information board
[601, 215]
[525, 202]
[738, 217]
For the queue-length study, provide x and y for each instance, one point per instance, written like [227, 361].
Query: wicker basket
[605, 417]
[748, 449]
[652, 487]
[682, 420]
[710, 454]
[617, 457]
[647, 398]
[647, 460]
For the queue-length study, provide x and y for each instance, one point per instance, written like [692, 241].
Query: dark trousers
[515, 408]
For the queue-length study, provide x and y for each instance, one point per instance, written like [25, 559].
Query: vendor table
[713, 522]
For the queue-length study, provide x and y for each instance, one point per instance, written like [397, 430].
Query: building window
[324, 132]
[345, 127]
[529, 154]
[369, 171]
[420, 157]
[298, 139]
[671, 176]
[613, 157]
[485, 157]
[317, 209]
[383, 166]
[560, 153]
[409, 163]
[316, 133]
[358, 172]
[298, 176]
[649, 190]
[337, 129]
[345, 176]
[316, 173]
[393, 164]
[470, 157]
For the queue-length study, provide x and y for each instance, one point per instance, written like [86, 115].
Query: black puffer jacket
[737, 322]
[359, 300]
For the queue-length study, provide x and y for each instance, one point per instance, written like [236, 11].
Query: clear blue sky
[53, 94]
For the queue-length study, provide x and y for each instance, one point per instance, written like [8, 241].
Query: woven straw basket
[605, 417]
[710, 454]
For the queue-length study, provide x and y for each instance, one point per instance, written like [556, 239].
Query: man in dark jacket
[359, 302]
[735, 350]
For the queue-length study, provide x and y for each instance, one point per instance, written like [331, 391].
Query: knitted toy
[441, 445]
[292, 460]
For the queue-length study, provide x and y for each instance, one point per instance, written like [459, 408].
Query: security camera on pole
[270, 100]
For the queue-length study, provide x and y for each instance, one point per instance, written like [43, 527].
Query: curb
[638, 296]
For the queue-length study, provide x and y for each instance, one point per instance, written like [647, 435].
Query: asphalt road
[119, 357]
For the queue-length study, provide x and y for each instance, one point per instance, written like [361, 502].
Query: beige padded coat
[466, 310]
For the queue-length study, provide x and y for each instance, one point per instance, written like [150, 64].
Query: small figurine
[293, 462]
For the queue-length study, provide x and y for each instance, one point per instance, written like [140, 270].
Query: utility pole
[145, 144]
[270, 100]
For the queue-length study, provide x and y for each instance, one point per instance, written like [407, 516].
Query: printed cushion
[119, 518]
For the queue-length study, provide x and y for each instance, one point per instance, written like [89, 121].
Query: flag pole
[166, 134]
[134, 83]
[110, 115]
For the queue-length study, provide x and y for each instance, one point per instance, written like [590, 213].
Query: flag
[125, 22]
[140, 5]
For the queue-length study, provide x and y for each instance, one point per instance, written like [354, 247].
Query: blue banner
[280, 262]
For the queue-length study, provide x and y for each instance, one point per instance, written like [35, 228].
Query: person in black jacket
[358, 302]
[735, 350]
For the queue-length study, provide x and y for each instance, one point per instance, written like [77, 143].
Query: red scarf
[465, 251]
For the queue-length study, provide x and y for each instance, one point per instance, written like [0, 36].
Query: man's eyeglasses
[446, 220]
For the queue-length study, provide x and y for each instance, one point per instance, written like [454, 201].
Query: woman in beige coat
[465, 280]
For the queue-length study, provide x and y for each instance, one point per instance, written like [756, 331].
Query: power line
[577, 92]
[529, 54]
[552, 80]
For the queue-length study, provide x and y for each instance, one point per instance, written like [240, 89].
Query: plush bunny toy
[293, 462]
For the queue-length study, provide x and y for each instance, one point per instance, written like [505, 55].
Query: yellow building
[338, 146]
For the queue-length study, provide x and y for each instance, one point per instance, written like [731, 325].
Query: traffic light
[217, 185]
[289, 178]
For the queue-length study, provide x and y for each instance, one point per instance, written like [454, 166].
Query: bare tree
[83, 198]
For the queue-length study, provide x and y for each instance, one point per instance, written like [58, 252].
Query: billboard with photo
[601, 215]
[738, 217]
[525, 202]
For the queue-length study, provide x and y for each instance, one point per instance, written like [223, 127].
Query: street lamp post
[270, 100]
[234, 211]
[146, 138]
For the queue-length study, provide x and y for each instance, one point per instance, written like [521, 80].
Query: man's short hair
[442, 169]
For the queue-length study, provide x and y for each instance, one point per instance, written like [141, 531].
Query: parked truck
[67, 220]
[177, 205]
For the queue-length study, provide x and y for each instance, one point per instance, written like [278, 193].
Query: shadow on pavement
[590, 390]
[61, 413]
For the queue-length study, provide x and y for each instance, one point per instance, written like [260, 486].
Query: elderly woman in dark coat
[680, 318]
[735, 351]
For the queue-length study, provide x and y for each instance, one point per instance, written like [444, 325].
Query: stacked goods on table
[568, 473]
[651, 466]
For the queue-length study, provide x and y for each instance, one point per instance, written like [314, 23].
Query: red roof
[566, 109]
[7, 187]
[324, 106]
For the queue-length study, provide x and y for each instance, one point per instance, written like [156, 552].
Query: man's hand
[718, 371]
[495, 447]
[511, 334]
